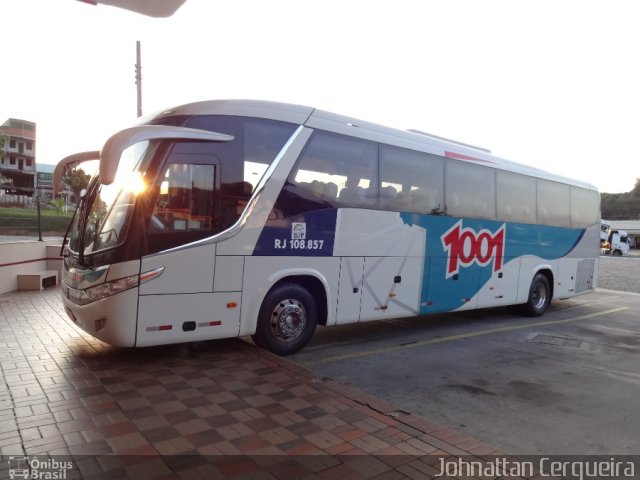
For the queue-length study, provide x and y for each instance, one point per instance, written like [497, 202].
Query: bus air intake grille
[584, 274]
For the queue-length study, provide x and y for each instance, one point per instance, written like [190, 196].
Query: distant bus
[230, 218]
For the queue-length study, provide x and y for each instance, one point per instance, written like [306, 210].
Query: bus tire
[617, 253]
[539, 296]
[287, 319]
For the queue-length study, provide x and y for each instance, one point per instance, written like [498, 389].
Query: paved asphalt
[620, 273]
[565, 383]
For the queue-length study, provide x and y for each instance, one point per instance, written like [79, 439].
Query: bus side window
[184, 207]
[417, 179]
[330, 192]
[353, 193]
[583, 205]
[471, 190]
[185, 199]
[553, 203]
[516, 195]
[333, 171]
[388, 196]
[234, 198]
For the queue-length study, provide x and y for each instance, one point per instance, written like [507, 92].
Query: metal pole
[39, 222]
[139, 77]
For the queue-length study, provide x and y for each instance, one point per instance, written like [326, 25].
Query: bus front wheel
[539, 296]
[287, 319]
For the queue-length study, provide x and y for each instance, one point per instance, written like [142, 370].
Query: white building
[18, 157]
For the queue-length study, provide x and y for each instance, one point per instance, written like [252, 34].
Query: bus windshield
[106, 209]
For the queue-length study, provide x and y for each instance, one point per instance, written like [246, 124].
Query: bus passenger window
[417, 179]
[185, 200]
[333, 171]
[584, 207]
[388, 196]
[234, 198]
[553, 203]
[516, 196]
[353, 192]
[471, 190]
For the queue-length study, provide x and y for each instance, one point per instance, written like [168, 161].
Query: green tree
[58, 204]
[621, 206]
[77, 180]
[636, 189]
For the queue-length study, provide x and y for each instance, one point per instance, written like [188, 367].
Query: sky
[554, 84]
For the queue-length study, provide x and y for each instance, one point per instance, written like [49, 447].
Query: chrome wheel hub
[539, 296]
[288, 319]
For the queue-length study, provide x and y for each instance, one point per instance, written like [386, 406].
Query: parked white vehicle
[613, 242]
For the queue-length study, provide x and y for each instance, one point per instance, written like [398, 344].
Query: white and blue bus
[230, 218]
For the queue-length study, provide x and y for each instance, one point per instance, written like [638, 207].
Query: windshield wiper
[82, 220]
[66, 233]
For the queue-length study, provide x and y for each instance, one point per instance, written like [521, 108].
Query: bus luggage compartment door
[391, 287]
[349, 289]
[502, 287]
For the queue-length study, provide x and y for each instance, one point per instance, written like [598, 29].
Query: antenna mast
[139, 77]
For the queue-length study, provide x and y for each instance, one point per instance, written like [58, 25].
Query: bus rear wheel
[287, 319]
[539, 297]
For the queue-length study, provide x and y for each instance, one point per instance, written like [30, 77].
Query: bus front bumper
[111, 319]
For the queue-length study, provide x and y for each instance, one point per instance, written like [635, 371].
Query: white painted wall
[24, 257]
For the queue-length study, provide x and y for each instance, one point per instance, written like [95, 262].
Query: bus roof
[332, 122]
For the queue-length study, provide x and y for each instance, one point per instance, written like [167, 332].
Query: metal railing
[24, 217]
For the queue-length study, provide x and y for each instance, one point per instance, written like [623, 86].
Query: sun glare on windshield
[133, 182]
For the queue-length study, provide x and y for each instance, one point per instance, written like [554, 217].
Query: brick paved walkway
[214, 409]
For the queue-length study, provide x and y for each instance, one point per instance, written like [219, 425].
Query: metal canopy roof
[151, 8]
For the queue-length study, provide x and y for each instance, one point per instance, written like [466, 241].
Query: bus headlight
[98, 292]
[111, 288]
